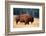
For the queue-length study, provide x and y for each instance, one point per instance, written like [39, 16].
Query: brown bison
[24, 18]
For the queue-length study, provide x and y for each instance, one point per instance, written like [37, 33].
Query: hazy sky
[32, 12]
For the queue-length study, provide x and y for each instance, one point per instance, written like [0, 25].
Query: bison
[24, 18]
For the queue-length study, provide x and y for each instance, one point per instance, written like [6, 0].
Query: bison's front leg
[26, 22]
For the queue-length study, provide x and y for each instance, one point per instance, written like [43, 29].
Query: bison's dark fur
[24, 18]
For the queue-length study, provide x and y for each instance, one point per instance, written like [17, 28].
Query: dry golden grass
[22, 24]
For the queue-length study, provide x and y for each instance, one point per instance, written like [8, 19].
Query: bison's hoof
[30, 23]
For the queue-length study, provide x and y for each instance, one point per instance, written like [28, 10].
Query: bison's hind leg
[16, 22]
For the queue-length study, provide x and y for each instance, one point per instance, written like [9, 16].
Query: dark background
[32, 12]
